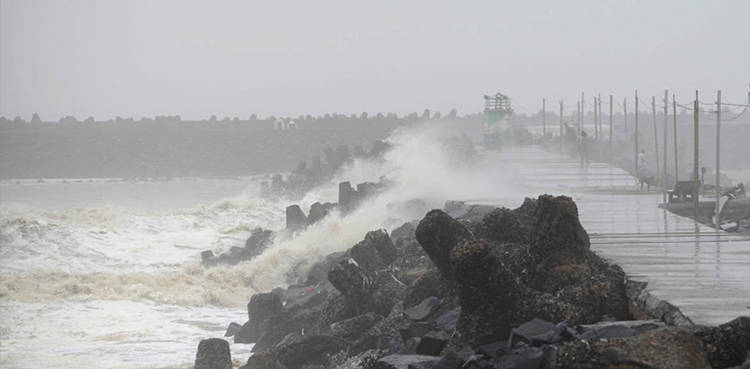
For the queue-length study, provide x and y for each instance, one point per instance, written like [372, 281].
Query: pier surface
[704, 273]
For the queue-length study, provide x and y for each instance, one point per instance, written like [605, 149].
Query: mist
[167, 167]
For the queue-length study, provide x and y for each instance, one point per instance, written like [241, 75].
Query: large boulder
[668, 347]
[503, 226]
[213, 353]
[728, 344]
[366, 256]
[383, 244]
[559, 244]
[259, 309]
[488, 293]
[438, 234]
[257, 243]
[366, 292]
[313, 350]
[353, 328]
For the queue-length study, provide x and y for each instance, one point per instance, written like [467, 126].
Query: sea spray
[421, 164]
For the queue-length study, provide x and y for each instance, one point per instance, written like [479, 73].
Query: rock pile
[515, 289]
[304, 177]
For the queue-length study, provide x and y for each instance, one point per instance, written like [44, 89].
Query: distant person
[583, 149]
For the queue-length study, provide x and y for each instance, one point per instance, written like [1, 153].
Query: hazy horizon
[196, 59]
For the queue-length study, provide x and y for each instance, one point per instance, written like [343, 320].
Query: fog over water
[236, 58]
[103, 220]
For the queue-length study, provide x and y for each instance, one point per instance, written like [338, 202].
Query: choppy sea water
[107, 274]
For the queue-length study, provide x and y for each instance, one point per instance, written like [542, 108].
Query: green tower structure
[497, 120]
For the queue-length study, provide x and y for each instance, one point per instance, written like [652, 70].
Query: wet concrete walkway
[706, 274]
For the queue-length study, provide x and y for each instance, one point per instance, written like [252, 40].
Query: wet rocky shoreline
[466, 286]
[489, 287]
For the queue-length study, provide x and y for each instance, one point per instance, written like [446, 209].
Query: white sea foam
[75, 279]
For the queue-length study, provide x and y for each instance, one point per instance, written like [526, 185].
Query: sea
[106, 273]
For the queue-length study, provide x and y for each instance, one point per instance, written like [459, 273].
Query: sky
[288, 58]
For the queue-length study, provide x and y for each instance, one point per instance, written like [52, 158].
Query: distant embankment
[175, 148]
[62, 152]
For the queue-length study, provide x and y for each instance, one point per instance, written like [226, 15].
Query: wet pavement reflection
[703, 272]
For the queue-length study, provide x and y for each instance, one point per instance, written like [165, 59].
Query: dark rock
[211, 261]
[364, 291]
[319, 211]
[559, 244]
[312, 350]
[257, 243]
[494, 349]
[523, 358]
[424, 309]
[503, 226]
[728, 344]
[488, 293]
[295, 218]
[411, 345]
[213, 353]
[335, 310]
[383, 244]
[438, 234]
[263, 360]
[206, 255]
[602, 293]
[433, 343]
[277, 327]
[352, 328]
[291, 338]
[526, 331]
[364, 360]
[224, 258]
[259, 309]
[263, 305]
[366, 256]
[448, 320]
[614, 355]
[235, 254]
[416, 330]
[406, 362]
[378, 148]
[346, 195]
[352, 281]
[451, 360]
[391, 345]
[668, 347]
[232, 329]
[432, 283]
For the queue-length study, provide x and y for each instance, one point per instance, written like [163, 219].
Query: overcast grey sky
[284, 58]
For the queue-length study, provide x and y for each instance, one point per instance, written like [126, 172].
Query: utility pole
[625, 117]
[579, 118]
[561, 127]
[582, 124]
[695, 156]
[674, 116]
[666, 128]
[656, 138]
[636, 132]
[601, 131]
[544, 118]
[596, 130]
[717, 218]
[610, 126]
